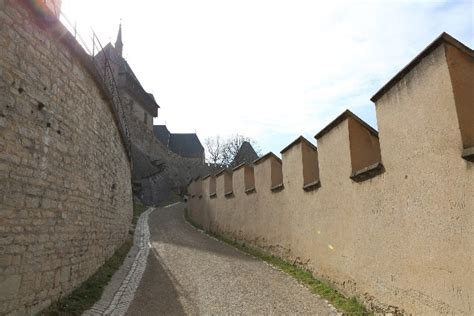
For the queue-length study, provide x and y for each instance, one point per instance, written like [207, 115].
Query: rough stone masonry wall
[65, 191]
[402, 241]
[178, 172]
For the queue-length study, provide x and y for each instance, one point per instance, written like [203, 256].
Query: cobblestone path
[189, 273]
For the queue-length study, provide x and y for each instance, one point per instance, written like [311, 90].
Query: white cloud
[269, 69]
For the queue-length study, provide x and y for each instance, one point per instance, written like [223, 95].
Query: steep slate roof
[246, 154]
[126, 78]
[186, 145]
[129, 81]
[162, 133]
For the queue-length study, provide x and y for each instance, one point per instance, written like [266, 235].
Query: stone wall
[386, 217]
[135, 109]
[178, 172]
[65, 191]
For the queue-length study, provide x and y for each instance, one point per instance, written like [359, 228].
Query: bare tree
[222, 152]
[214, 149]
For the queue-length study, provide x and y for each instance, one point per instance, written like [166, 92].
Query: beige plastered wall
[402, 241]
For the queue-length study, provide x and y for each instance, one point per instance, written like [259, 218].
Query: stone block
[6, 240]
[9, 285]
[5, 260]
[32, 202]
[65, 274]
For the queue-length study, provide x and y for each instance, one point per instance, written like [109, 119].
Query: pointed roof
[246, 154]
[126, 78]
[162, 133]
[118, 42]
[186, 145]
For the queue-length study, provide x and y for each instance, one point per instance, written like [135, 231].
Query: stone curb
[120, 291]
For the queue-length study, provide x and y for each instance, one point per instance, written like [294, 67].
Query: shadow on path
[156, 292]
[189, 273]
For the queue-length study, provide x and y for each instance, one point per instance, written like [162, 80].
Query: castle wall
[65, 191]
[178, 172]
[137, 110]
[401, 239]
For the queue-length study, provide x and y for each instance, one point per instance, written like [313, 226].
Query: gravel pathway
[189, 273]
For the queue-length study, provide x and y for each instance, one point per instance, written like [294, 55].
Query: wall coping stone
[297, 141]
[368, 172]
[222, 172]
[312, 186]
[443, 38]
[265, 157]
[250, 191]
[277, 188]
[468, 154]
[341, 118]
[243, 164]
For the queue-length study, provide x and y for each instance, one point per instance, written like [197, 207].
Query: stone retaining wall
[65, 189]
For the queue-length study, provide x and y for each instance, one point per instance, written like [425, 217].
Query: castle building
[186, 145]
[141, 104]
[161, 166]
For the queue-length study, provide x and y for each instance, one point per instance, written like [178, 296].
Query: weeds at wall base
[349, 306]
[138, 209]
[85, 296]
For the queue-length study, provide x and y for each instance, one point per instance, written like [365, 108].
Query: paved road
[189, 273]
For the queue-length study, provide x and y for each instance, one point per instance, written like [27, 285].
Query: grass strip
[349, 306]
[138, 209]
[85, 296]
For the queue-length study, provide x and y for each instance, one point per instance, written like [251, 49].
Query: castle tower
[118, 42]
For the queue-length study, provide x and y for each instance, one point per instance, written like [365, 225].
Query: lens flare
[48, 9]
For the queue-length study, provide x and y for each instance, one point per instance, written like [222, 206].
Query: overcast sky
[271, 70]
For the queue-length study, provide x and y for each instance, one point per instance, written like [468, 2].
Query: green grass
[138, 209]
[349, 306]
[84, 297]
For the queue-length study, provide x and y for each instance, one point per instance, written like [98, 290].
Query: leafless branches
[221, 151]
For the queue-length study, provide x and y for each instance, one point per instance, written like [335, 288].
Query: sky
[267, 69]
